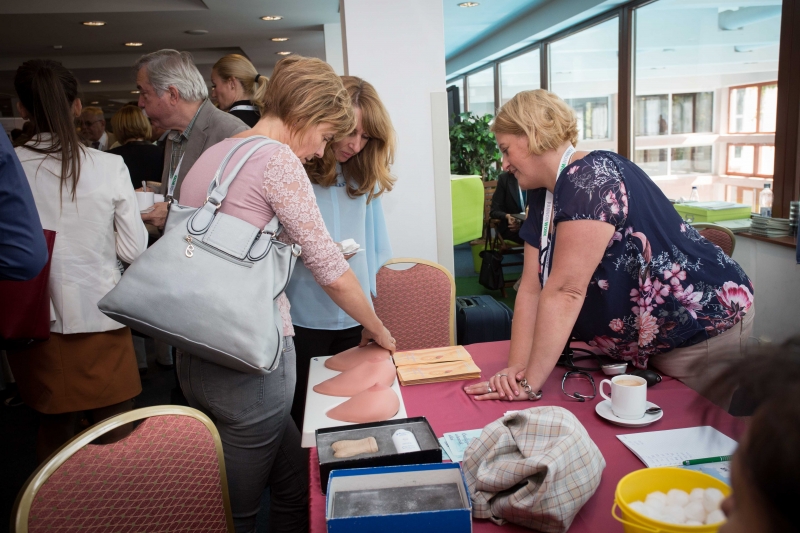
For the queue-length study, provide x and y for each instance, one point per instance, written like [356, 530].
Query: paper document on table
[721, 471]
[673, 446]
[457, 443]
[445, 455]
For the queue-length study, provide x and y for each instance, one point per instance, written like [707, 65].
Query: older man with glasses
[175, 97]
[93, 129]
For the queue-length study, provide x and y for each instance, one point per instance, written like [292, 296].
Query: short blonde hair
[130, 123]
[369, 169]
[541, 116]
[239, 67]
[92, 110]
[304, 92]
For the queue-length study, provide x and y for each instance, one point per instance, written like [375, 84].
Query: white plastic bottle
[695, 196]
[404, 441]
[765, 201]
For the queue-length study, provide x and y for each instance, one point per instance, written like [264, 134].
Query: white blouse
[84, 263]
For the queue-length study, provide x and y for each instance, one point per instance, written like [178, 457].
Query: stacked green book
[769, 227]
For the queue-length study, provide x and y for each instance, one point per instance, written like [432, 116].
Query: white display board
[319, 404]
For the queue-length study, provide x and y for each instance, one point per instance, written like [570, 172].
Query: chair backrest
[167, 475]
[721, 236]
[488, 192]
[418, 304]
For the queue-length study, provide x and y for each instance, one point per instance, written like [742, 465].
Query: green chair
[467, 199]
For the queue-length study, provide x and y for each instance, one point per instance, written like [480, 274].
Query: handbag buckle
[214, 202]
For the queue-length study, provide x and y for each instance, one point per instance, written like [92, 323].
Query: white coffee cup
[157, 198]
[145, 199]
[628, 396]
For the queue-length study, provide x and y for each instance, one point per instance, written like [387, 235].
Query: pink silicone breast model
[375, 404]
[360, 378]
[355, 356]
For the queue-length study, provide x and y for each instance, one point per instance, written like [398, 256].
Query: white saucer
[148, 210]
[604, 410]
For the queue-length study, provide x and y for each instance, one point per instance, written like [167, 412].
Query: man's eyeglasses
[577, 395]
[88, 123]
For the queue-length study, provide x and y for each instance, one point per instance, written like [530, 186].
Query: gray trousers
[259, 438]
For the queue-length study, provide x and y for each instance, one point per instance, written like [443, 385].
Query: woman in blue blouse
[617, 267]
[348, 182]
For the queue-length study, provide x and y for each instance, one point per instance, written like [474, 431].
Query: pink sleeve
[289, 192]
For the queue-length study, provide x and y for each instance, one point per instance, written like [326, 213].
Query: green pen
[707, 460]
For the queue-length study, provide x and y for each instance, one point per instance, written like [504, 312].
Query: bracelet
[532, 396]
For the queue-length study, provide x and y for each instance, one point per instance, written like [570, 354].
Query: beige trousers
[698, 366]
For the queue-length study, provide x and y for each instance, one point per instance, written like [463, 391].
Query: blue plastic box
[410, 478]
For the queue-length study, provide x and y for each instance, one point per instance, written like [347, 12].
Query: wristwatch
[532, 396]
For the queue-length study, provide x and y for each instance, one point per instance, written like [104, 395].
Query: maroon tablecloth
[448, 409]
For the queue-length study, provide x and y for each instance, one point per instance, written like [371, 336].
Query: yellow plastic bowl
[637, 485]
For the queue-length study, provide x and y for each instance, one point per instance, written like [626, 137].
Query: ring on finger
[501, 375]
[489, 387]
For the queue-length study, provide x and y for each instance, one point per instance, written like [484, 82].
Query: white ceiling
[30, 29]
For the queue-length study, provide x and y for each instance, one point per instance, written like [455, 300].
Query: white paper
[674, 446]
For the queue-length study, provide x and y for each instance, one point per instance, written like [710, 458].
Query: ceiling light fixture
[279, 39]
[134, 44]
[94, 23]
[95, 81]
[196, 32]
[272, 17]
[469, 4]
[58, 46]
[95, 102]
[283, 53]
[135, 92]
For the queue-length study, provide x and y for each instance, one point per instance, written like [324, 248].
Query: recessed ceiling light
[95, 81]
[94, 23]
[135, 92]
[95, 102]
[279, 39]
[669, 49]
[283, 53]
[58, 46]
[196, 32]
[134, 44]
[272, 17]
[469, 4]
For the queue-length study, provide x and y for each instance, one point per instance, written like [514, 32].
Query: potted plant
[473, 148]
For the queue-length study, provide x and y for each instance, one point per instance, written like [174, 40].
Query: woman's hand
[502, 386]
[383, 338]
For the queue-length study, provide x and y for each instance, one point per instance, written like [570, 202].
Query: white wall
[399, 48]
[776, 280]
[334, 51]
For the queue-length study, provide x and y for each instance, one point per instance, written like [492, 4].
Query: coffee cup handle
[603, 394]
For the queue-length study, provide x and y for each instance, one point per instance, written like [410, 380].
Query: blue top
[23, 250]
[660, 285]
[345, 218]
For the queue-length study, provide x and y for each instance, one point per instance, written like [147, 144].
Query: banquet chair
[496, 242]
[721, 236]
[417, 304]
[167, 475]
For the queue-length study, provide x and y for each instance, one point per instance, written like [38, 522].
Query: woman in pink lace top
[305, 108]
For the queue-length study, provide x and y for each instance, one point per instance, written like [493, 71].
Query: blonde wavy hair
[239, 67]
[544, 118]
[305, 92]
[130, 123]
[370, 168]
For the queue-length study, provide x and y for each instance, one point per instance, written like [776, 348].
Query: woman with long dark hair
[84, 195]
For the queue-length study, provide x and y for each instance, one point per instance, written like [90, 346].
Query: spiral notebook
[674, 446]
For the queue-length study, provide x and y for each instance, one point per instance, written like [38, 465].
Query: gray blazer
[211, 126]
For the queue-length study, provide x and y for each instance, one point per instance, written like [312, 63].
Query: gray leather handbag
[210, 285]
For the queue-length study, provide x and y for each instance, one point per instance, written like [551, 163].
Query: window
[651, 115]
[692, 112]
[593, 116]
[690, 160]
[751, 160]
[481, 92]
[653, 161]
[518, 74]
[753, 108]
[583, 70]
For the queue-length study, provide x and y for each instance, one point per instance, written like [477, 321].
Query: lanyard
[544, 241]
[243, 108]
[521, 200]
[174, 179]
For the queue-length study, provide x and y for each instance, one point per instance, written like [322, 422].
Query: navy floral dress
[660, 285]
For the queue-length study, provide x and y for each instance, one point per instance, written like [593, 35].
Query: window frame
[756, 154]
[694, 95]
[758, 107]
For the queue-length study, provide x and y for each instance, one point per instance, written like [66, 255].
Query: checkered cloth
[535, 468]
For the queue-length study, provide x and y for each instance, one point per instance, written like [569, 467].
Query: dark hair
[769, 384]
[47, 91]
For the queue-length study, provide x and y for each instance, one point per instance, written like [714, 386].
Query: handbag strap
[201, 220]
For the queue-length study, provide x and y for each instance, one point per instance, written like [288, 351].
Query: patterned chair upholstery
[167, 475]
[722, 237]
[417, 304]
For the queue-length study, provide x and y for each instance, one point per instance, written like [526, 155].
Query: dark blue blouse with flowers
[660, 285]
